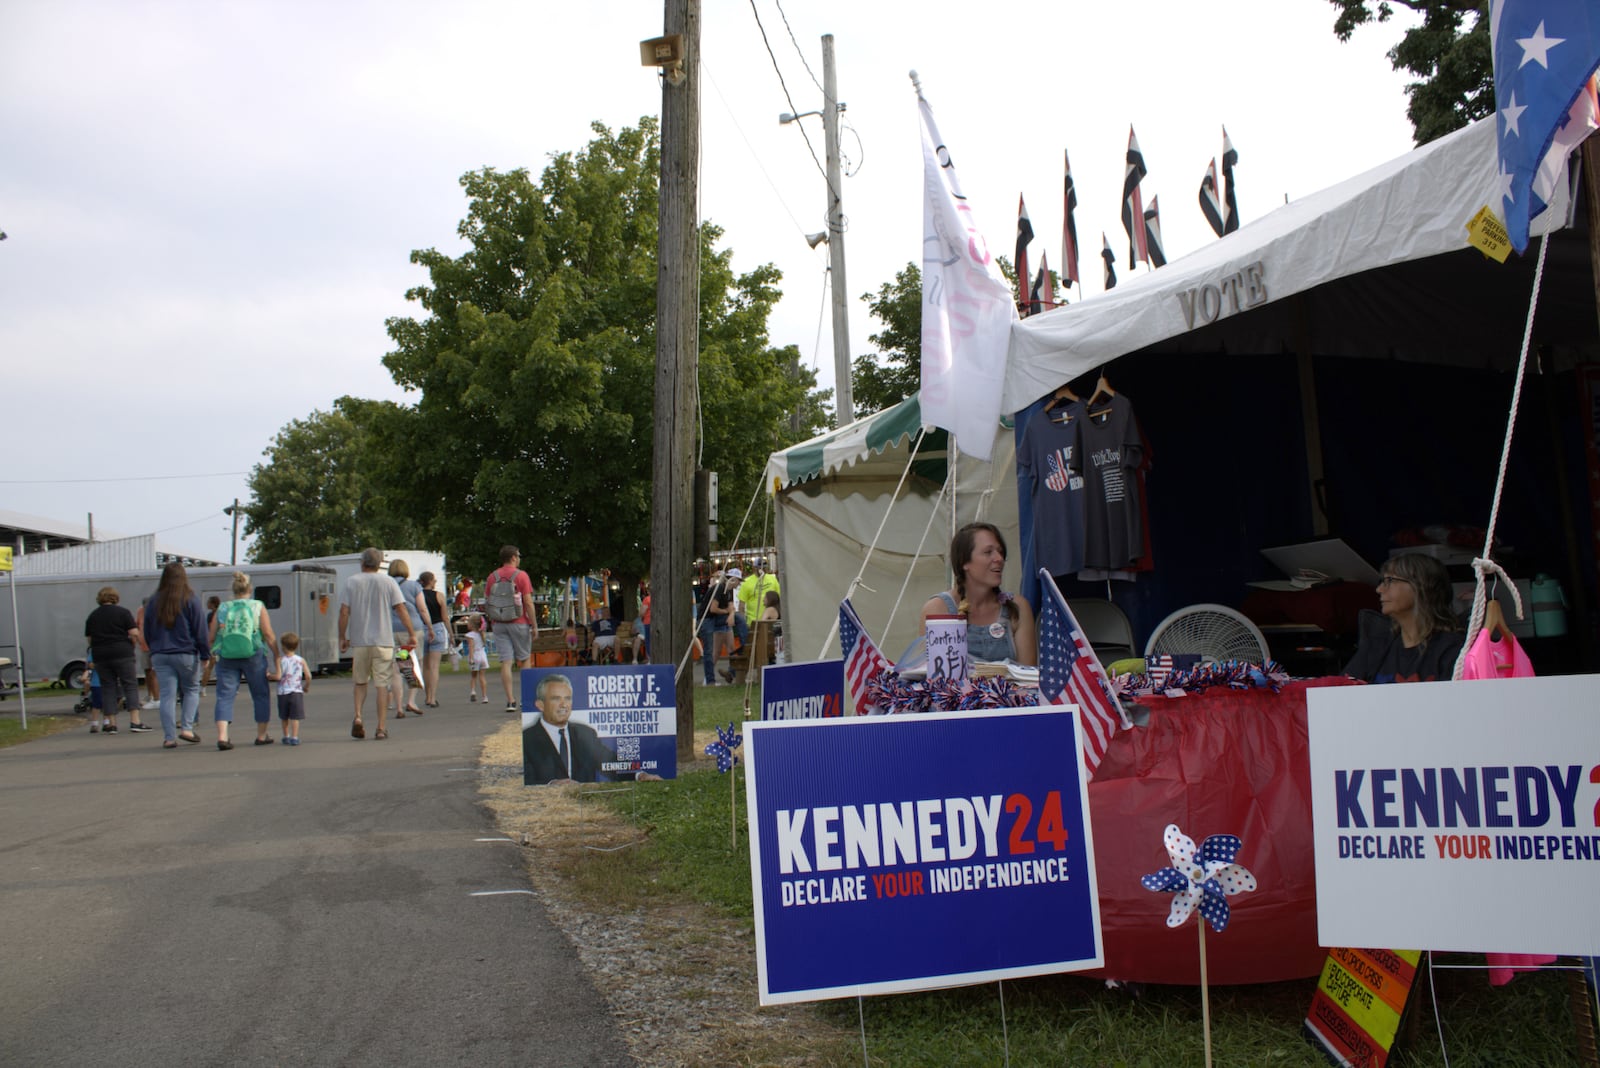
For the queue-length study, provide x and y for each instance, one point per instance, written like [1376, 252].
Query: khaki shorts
[373, 663]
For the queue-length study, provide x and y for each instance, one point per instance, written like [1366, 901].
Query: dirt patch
[681, 979]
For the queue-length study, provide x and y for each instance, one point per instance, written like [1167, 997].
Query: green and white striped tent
[832, 494]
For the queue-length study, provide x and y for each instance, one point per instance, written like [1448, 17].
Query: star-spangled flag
[1070, 673]
[1230, 201]
[1069, 228]
[1133, 203]
[862, 661]
[1043, 296]
[1545, 53]
[1152, 233]
[967, 306]
[1210, 206]
[1024, 238]
[1111, 261]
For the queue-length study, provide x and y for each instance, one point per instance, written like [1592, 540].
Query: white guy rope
[1475, 623]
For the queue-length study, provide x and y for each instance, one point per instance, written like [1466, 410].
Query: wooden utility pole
[677, 366]
[844, 407]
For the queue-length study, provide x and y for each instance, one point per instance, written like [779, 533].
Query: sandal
[190, 736]
[400, 713]
[380, 735]
[417, 711]
[224, 746]
[430, 704]
[357, 730]
[169, 744]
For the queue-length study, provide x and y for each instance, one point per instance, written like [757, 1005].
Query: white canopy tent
[1410, 208]
[832, 494]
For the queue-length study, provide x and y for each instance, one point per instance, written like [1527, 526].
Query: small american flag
[1070, 673]
[862, 661]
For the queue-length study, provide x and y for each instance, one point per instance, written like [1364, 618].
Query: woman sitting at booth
[1421, 639]
[999, 624]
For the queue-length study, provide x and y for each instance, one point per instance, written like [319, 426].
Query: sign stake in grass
[729, 739]
[1202, 878]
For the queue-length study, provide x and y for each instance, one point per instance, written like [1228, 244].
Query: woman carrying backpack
[241, 638]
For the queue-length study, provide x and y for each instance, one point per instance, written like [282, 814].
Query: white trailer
[51, 610]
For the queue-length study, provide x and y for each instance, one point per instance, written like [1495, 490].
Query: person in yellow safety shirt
[752, 592]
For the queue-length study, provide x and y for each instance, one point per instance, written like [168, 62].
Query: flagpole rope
[1484, 564]
[833, 632]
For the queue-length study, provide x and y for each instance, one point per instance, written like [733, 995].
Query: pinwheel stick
[733, 811]
[1205, 992]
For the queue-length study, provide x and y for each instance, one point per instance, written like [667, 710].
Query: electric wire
[753, 154]
[793, 107]
[126, 478]
[798, 51]
[822, 308]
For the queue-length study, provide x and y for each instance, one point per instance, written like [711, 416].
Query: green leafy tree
[535, 365]
[321, 491]
[1449, 53]
[895, 372]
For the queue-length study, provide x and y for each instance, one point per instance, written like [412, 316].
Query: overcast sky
[210, 206]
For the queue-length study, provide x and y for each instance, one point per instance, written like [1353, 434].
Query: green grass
[11, 732]
[1060, 1020]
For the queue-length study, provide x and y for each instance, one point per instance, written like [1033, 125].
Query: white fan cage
[1214, 631]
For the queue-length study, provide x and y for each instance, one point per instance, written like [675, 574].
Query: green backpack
[238, 632]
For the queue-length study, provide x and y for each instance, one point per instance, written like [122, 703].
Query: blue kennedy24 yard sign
[902, 853]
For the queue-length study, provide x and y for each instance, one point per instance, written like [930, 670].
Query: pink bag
[1491, 659]
[1502, 659]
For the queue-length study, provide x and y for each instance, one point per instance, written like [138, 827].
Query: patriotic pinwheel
[727, 741]
[1205, 877]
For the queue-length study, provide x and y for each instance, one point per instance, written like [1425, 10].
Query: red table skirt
[1221, 762]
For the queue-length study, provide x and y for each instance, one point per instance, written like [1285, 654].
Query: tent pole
[1310, 417]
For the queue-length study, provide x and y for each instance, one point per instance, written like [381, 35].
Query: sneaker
[140, 728]
[94, 728]
[511, 707]
[472, 698]
[110, 728]
[151, 705]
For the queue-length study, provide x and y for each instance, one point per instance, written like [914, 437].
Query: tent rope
[1484, 563]
[688, 649]
[921, 544]
[911, 456]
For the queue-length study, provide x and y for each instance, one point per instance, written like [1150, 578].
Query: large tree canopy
[321, 493]
[535, 365]
[1449, 53]
[895, 373]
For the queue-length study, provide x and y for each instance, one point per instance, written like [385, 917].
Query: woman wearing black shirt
[111, 631]
[1420, 639]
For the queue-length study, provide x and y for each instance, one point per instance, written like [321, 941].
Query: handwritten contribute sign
[900, 853]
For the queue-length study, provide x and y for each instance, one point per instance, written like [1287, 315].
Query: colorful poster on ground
[1358, 1003]
[803, 691]
[598, 724]
[1458, 815]
[896, 853]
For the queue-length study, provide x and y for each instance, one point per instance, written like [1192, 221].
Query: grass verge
[39, 726]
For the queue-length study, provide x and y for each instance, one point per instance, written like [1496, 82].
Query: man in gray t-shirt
[365, 630]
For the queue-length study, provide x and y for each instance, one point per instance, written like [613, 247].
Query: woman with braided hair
[999, 624]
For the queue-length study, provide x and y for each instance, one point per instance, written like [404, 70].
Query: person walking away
[478, 661]
[174, 629]
[509, 606]
[212, 603]
[437, 621]
[294, 680]
[113, 636]
[365, 631]
[408, 677]
[241, 639]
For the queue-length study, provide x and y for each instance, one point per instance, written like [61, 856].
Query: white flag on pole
[967, 308]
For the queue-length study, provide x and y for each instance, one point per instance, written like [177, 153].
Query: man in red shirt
[514, 634]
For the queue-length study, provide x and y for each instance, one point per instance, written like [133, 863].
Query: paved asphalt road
[276, 905]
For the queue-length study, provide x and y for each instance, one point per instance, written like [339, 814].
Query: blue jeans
[180, 676]
[254, 673]
[708, 647]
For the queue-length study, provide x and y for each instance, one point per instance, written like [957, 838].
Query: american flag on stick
[1133, 203]
[1210, 205]
[1070, 673]
[862, 661]
[1230, 200]
[1152, 233]
[1111, 261]
[1024, 238]
[1069, 228]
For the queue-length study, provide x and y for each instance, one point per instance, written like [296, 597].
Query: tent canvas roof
[1410, 208]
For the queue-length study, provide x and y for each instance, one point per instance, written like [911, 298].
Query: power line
[798, 51]
[127, 478]
[793, 108]
[753, 155]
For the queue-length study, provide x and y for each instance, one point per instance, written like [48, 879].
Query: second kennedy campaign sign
[895, 853]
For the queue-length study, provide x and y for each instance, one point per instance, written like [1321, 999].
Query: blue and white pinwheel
[1203, 878]
[727, 741]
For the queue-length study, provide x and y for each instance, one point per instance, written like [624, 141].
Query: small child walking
[478, 660]
[294, 679]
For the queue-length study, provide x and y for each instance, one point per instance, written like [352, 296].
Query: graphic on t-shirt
[1061, 477]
